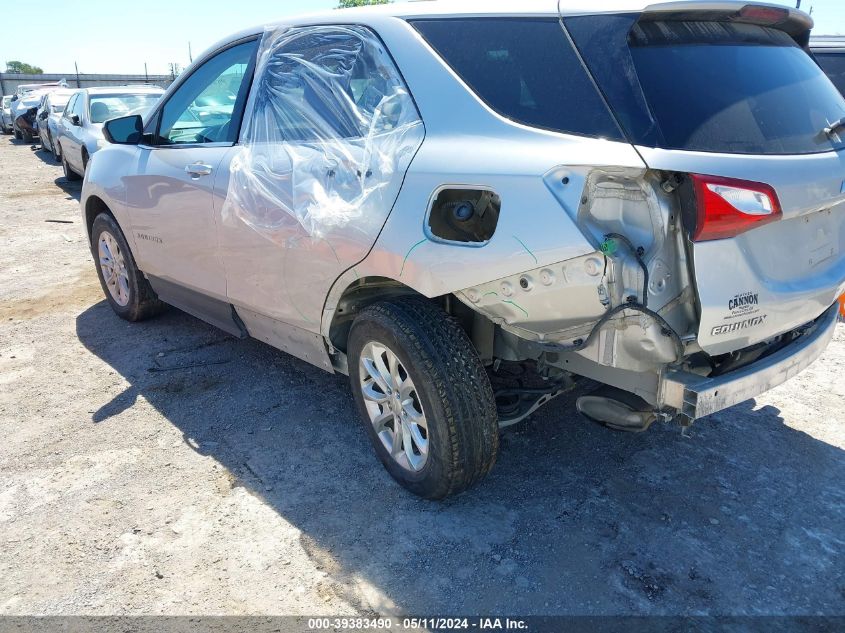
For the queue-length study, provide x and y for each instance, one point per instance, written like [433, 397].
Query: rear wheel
[18, 134]
[70, 175]
[424, 397]
[54, 146]
[127, 290]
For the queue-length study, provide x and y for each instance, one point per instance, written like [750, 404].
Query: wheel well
[358, 295]
[368, 290]
[94, 207]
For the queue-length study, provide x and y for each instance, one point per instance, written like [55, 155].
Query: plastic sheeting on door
[329, 130]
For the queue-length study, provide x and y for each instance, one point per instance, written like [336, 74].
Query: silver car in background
[466, 208]
[49, 113]
[6, 122]
[80, 128]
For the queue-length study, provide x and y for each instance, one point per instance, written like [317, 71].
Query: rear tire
[70, 175]
[435, 376]
[18, 135]
[127, 290]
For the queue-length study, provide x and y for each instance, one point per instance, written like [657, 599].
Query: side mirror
[125, 130]
[75, 120]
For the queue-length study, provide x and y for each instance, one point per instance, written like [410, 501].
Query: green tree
[22, 68]
[345, 4]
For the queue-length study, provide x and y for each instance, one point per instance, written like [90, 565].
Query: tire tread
[460, 382]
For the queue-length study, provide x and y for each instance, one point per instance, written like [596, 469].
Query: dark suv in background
[830, 53]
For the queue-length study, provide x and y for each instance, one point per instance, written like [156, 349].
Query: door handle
[198, 169]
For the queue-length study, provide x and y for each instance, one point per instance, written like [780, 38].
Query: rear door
[731, 98]
[72, 141]
[169, 193]
[329, 134]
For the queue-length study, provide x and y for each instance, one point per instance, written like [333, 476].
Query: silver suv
[466, 210]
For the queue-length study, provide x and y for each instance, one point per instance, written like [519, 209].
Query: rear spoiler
[794, 22]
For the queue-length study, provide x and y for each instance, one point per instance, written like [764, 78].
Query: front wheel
[424, 397]
[127, 290]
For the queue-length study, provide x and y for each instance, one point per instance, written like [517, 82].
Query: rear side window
[833, 65]
[524, 69]
[709, 86]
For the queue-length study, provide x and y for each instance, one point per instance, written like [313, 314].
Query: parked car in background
[829, 51]
[23, 89]
[49, 113]
[23, 110]
[80, 128]
[467, 207]
[6, 115]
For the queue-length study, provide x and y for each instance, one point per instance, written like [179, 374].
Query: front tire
[424, 397]
[127, 290]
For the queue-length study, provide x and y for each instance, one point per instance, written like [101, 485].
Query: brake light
[727, 207]
[763, 15]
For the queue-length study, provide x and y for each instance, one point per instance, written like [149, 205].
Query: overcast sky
[109, 36]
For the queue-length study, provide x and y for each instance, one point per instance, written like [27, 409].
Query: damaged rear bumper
[696, 396]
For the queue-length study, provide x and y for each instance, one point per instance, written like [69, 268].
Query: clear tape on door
[328, 131]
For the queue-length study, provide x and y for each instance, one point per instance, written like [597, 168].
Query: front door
[169, 195]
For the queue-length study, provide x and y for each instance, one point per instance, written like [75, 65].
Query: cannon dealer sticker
[743, 313]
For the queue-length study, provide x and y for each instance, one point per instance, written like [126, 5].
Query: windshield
[710, 86]
[105, 107]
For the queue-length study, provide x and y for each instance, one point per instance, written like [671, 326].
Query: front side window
[78, 108]
[204, 108]
[69, 108]
[524, 69]
[102, 107]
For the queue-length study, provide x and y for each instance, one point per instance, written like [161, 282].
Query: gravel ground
[167, 468]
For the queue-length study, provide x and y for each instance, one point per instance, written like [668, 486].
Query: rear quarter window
[524, 69]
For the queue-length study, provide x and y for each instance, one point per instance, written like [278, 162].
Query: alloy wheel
[394, 406]
[113, 266]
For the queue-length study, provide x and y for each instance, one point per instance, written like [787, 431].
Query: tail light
[726, 207]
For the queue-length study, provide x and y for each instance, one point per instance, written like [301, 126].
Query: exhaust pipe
[617, 410]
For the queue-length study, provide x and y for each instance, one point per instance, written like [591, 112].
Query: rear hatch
[726, 101]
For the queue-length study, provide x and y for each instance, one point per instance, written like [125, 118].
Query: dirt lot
[167, 468]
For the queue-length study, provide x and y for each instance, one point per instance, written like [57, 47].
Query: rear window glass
[833, 65]
[524, 69]
[710, 86]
